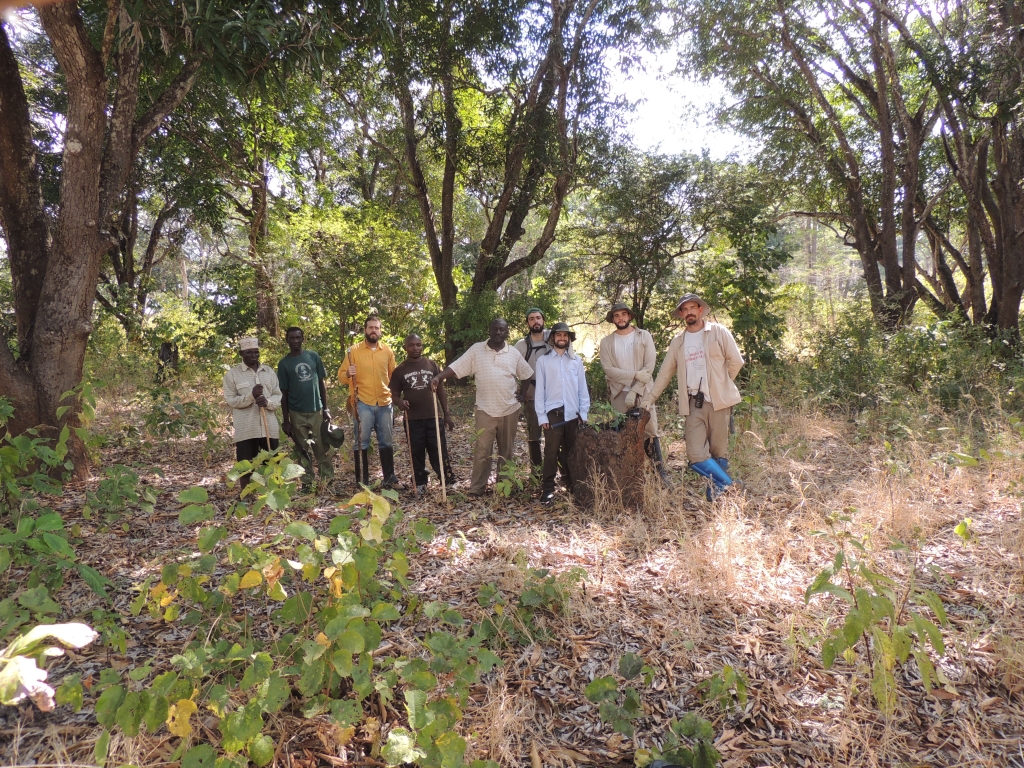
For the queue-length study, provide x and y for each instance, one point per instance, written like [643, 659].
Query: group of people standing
[540, 371]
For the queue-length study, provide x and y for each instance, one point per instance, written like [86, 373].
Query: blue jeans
[375, 418]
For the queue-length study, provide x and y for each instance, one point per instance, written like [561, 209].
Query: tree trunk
[268, 318]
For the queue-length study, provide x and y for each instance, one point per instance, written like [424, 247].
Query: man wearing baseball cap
[705, 359]
[628, 357]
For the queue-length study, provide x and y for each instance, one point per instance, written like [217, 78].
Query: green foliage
[513, 479]
[520, 622]
[329, 596]
[883, 617]
[619, 708]
[170, 412]
[688, 742]
[727, 688]
[470, 320]
[965, 531]
[742, 281]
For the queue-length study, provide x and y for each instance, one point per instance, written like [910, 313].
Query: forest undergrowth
[607, 628]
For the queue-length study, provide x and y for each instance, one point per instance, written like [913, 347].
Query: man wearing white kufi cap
[249, 388]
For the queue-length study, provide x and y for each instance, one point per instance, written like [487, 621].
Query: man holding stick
[367, 369]
[498, 368]
[252, 391]
[533, 347]
[411, 392]
[304, 406]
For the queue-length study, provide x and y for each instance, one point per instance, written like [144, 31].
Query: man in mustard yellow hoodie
[367, 371]
[705, 359]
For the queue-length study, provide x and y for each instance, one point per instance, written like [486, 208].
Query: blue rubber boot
[712, 470]
[723, 463]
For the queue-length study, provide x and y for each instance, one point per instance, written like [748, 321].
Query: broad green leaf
[99, 752]
[385, 612]
[300, 531]
[415, 705]
[452, 748]
[70, 693]
[346, 712]
[350, 641]
[602, 689]
[261, 750]
[200, 756]
[129, 714]
[208, 537]
[156, 712]
[195, 513]
[273, 693]
[97, 581]
[107, 705]
[630, 665]
[194, 495]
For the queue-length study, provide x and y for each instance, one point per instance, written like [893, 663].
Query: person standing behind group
[706, 360]
[411, 392]
[628, 357]
[249, 388]
[367, 370]
[533, 347]
[562, 402]
[304, 408]
[497, 366]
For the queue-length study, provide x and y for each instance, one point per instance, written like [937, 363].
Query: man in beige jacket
[705, 359]
[628, 357]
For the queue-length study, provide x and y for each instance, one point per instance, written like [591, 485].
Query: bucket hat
[332, 436]
[564, 328]
[704, 306]
[615, 308]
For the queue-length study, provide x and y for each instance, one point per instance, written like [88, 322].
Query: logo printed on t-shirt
[304, 372]
[418, 379]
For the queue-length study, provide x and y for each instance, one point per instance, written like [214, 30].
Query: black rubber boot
[366, 466]
[356, 455]
[387, 465]
[536, 455]
[653, 448]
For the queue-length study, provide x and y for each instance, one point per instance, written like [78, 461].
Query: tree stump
[610, 459]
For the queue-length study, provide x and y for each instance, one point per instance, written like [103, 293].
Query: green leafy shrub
[688, 742]
[883, 618]
[519, 622]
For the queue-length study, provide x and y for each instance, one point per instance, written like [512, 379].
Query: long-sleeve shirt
[373, 372]
[621, 373]
[561, 383]
[724, 361]
[245, 414]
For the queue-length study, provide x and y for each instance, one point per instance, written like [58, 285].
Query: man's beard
[537, 328]
[623, 324]
[372, 337]
[562, 344]
[690, 320]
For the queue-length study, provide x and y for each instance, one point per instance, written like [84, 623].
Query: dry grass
[692, 586]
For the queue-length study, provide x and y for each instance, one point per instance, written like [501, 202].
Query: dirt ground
[689, 585]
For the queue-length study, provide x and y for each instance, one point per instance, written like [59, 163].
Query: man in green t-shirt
[301, 375]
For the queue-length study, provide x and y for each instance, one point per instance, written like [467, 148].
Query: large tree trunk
[268, 316]
[56, 271]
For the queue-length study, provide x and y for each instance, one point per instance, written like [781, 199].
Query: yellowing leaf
[178, 717]
[251, 579]
[337, 585]
[359, 499]
[168, 599]
[344, 735]
[321, 639]
[273, 571]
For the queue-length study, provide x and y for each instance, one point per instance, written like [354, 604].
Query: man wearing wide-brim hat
[562, 403]
[628, 356]
[706, 360]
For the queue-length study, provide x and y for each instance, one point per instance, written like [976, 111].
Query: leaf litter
[688, 586]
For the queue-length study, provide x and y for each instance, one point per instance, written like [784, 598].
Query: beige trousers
[619, 404]
[489, 429]
[706, 433]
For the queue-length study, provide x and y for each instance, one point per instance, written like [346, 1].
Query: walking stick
[357, 442]
[440, 453]
[263, 415]
[408, 444]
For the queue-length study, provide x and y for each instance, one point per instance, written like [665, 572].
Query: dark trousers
[423, 442]
[558, 441]
[247, 450]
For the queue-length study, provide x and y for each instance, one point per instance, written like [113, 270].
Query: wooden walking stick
[357, 442]
[408, 444]
[440, 453]
[263, 415]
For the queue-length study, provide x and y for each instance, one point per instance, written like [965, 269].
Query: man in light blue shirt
[562, 402]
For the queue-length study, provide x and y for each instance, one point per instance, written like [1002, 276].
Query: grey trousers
[306, 431]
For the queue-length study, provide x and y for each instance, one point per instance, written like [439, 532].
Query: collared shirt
[561, 383]
[374, 367]
[496, 373]
[245, 414]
